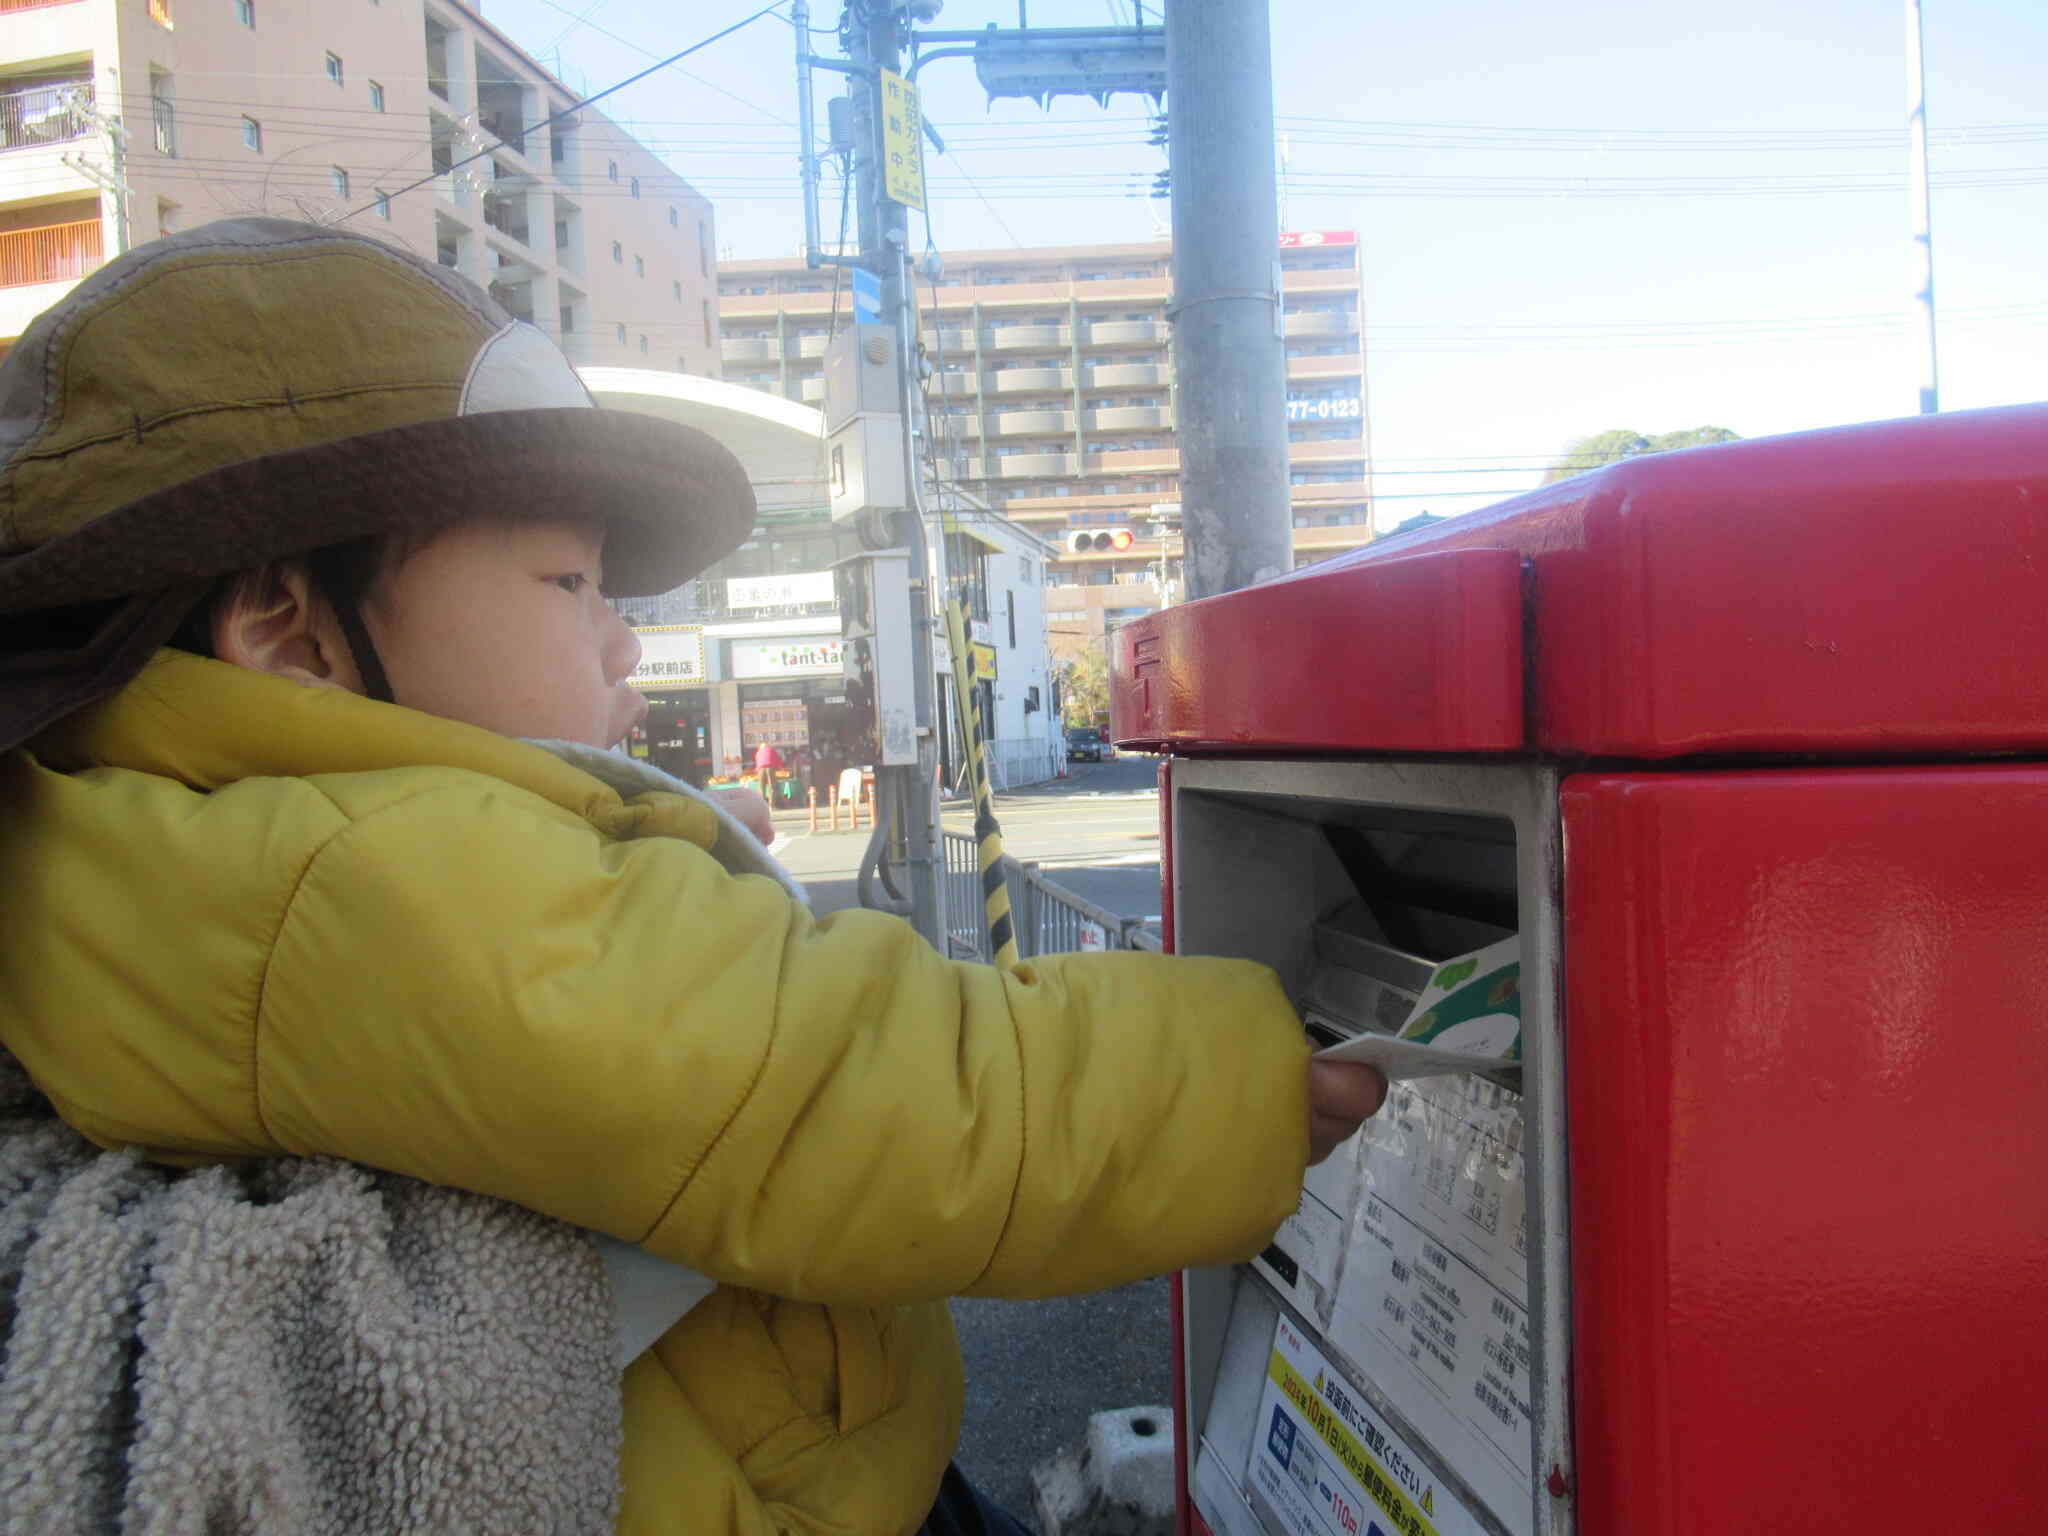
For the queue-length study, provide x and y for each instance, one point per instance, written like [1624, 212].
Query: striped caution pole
[988, 837]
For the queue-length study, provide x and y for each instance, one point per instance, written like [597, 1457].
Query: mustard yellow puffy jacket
[246, 918]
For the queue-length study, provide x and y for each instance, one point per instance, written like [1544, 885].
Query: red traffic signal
[1106, 541]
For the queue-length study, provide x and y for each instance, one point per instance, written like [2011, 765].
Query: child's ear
[276, 623]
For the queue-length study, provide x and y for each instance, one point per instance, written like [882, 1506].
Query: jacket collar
[209, 724]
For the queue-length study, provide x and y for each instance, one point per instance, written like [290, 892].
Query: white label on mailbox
[1306, 1253]
[1329, 1466]
[1433, 1303]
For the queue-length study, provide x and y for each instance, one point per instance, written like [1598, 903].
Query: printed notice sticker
[1432, 1300]
[1329, 1466]
[1467, 1019]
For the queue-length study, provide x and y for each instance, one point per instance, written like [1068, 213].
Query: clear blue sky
[1574, 217]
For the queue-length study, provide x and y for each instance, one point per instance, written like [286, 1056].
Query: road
[1095, 832]
[1036, 1370]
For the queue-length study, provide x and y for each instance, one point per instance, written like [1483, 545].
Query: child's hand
[751, 810]
[1341, 1095]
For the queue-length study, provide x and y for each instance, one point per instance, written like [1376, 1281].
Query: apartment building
[1051, 396]
[413, 120]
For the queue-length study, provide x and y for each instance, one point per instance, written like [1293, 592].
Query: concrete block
[1117, 1482]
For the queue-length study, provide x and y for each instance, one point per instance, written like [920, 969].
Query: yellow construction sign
[902, 142]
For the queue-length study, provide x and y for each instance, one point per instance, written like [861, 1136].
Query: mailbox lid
[1865, 591]
[1418, 654]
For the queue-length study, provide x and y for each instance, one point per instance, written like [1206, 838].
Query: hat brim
[674, 499]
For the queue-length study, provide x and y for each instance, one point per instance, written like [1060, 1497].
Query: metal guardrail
[1049, 918]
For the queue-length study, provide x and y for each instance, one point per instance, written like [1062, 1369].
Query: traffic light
[1105, 541]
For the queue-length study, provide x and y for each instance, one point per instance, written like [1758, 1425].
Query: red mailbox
[1747, 748]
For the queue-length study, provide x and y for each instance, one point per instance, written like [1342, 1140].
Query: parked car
[1086, 744]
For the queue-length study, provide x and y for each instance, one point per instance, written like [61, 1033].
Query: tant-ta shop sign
[786, 658]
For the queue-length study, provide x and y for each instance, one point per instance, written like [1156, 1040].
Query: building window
[677, 285]
[618, 253]
[252, 134]
[376, 97]
[611, 169]
[162, 114]
[636, 186]
[639, 266]
[384, 205]
[334, 67]
[339, 180]
[707, 321]
[673, 221]
[245, 12]
[622, 332]
[703, 249]
[643, 341]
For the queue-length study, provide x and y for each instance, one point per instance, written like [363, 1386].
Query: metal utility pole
[1923, 223]
[1230, 364]
[874, 45]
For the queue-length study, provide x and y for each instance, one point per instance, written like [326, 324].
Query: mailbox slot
[1352, 880]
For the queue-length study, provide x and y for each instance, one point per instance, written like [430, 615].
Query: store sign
[786, 658]
[984, 659]
[1300, 239]
[778, 591]
[1326, 408]
[671, 656]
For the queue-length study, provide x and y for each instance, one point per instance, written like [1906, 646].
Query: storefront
[792, 695]
[676, 735]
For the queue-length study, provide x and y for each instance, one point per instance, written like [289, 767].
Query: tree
[1625, 443]
[1084, 687]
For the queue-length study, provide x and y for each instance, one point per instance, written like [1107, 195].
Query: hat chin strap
[369, 665]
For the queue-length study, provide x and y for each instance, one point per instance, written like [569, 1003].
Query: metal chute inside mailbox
[1739, 756]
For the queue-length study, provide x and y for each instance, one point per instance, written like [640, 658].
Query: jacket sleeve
[627, 1037]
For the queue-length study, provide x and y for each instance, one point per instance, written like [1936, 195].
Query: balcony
[1129, 376]
[1127, 418]
[811, 390]
[750, 349]
[1011, 381]
[1124, 333]
[948, 341]
[50, 253]
[812, 346]
[1322, 322]
[1019, 465]
[1127, 461]
[1302, 281]
[1008, 337]
[1034, 421]
[1339, 450]
[51, 113]
[952, 383]
[1345, 367]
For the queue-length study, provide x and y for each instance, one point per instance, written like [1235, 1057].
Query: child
[291, 886]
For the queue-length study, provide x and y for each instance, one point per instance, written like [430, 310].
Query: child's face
[499, 624]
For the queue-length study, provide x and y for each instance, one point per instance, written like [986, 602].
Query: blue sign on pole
[867, 297]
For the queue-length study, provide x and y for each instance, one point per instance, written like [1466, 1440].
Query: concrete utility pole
[874, 43]
[1923, 222]
[1230, 363]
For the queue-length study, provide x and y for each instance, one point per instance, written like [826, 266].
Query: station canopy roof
[781, 443]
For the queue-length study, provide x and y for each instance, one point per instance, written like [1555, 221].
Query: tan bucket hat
[258, 388]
